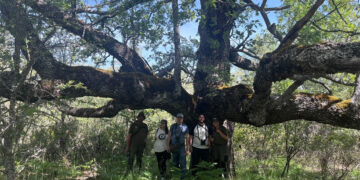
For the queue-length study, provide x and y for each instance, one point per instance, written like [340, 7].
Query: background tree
[108, 33]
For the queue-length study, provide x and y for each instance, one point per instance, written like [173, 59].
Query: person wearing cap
[160, 147]
[219, 141]
[178, 137]
[136, 141]
[199, 143]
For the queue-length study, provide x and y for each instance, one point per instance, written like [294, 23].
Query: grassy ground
[115, 168]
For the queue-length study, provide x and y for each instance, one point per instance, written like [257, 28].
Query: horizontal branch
[137, 90]
[318, 59]
[242, 62]
[318, 108]
[231, 103]
[37, 90]
[277, 8]
[109, 110]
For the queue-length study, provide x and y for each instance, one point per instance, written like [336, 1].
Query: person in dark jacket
[136, 141]
[219, 140]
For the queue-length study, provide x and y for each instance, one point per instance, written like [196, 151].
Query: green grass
[115, 168]
[272, 170]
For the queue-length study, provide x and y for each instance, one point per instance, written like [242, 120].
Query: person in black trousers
[160, 147]
[199, 143]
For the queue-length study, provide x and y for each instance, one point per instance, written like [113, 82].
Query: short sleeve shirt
[139, 132]
[178, 132]
[218, 140]
[161, 140]
[200, 133]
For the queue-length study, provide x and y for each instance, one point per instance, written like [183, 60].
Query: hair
[166, 126]
[141, 114]
[202, 114]
[215, 119]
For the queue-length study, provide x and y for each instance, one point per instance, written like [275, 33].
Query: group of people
[205, 142]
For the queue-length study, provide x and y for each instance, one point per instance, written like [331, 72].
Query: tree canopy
[299, 41]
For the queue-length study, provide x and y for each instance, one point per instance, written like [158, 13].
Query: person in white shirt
[160, 147]
[199, 143]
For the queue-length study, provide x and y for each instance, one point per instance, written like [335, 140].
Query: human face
[216, 124]
[201, 118]
[179, 120]
[140, 118]
[162, 125]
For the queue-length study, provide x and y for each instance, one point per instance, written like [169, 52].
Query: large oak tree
[137, 86]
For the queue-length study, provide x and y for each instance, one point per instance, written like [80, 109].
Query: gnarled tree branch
[109, 110]
[293, 33]
[318, 59]
[131, 61]
[242, 62]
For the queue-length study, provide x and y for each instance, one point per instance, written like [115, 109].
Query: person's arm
[188, 141]
[223, 135]
[155, 136]
[210, 134]
[168, 141]
[128, 139]
[147, 131]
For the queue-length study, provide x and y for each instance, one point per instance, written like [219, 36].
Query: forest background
[48, 143]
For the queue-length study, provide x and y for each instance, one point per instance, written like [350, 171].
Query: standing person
[136, 141]
[160, 147]
[199, 143]
[178, 136]
[219, 141]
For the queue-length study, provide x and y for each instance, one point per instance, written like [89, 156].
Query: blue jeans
[179, 160]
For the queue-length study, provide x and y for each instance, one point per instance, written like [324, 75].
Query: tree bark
[138, 90]
[131, 61]
[213, 68]
[230, 165]
[177, 58]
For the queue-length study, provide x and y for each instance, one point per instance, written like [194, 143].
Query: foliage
[51, 145]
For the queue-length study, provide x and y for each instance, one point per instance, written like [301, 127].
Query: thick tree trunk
[141, 90]
[230, 166]
[213, 68]
[177, 61]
